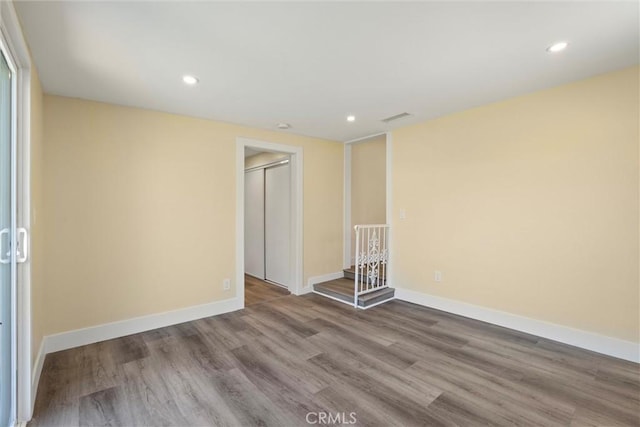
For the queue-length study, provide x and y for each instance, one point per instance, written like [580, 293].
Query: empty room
[319, 213]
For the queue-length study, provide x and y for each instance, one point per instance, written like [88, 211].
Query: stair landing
[343, 290]
[350, 273]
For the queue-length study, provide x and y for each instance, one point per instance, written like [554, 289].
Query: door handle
[5, 258]
[22, 250]
[22, 246]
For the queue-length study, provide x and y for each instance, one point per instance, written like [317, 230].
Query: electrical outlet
[437, 276]
[226, 284]
[403, 214]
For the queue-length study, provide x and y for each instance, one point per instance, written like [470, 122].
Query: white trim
[37, 371]
[347, 257]
[240, 222]
[297, 165]
[314, 280]
[610, 346]
[378, 303]
[107, 331]
[25, 404]
[350, 304]
[364, 138]
[389, 213]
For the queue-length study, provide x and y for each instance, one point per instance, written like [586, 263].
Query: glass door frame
[16, 52]
[13, 227]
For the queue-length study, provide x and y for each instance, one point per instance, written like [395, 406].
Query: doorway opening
[267, 209]
[366, 188]
[268, 220]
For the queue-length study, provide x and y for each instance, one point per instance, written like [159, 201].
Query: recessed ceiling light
[284, 126]
[351, 118]
[557, 47]
[190, 80]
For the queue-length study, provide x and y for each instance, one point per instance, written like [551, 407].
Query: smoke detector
[284, 126]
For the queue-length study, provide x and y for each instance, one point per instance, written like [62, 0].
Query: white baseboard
[107, 331]
[319, 279]
[36, 371]
[350, 304]
[610, 346]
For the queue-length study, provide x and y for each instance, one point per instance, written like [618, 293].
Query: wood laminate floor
[393, 365]
[257, 291]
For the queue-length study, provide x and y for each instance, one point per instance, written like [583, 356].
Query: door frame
[13, 227]
[296, 237]
[16, 48]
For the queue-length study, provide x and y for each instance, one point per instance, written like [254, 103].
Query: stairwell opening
[366, 204]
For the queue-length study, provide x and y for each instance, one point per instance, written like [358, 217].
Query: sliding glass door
[7, 256]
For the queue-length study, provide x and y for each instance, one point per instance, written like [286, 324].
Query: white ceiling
[311, 64]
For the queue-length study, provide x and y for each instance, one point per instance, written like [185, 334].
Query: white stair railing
[372, 256]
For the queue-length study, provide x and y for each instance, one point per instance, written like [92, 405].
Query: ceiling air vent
[396, 117]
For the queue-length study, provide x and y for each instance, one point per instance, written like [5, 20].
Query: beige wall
[528, 206]
[36, 257]
[368, 183]
[141, 210]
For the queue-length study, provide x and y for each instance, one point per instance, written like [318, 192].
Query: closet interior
[267, 207]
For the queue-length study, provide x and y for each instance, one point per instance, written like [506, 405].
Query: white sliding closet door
[277, 224]
[254, 223]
